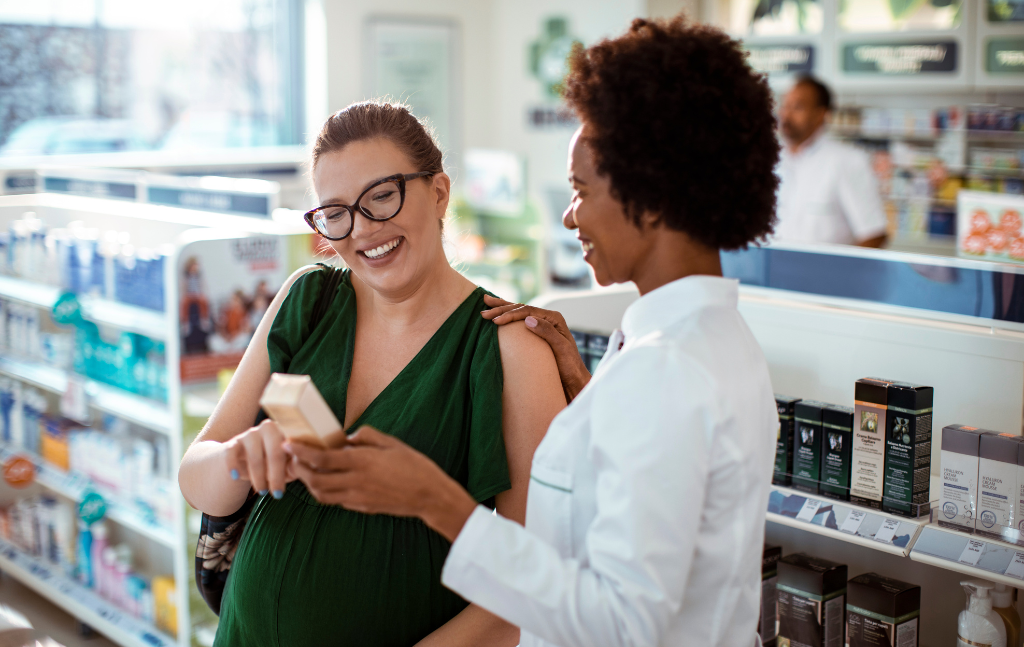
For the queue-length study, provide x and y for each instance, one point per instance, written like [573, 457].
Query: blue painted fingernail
[278, 494]
[234, 475]
[264, 492]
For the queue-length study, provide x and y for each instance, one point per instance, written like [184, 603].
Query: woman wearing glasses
[401, 347]
[648, 494]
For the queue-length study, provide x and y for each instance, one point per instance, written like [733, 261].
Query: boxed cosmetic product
[767, 624]
[997, 483]
[908, 448]
[961, 446]
[784, 439]
[812, 601]
[807, 445]
[837, 441]
[881, 612]
[871, 397]
[1018, 511]
[295, 404]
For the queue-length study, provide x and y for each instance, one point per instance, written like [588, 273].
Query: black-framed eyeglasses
[381, 201]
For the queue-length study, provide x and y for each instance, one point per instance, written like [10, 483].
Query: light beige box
[295, 404]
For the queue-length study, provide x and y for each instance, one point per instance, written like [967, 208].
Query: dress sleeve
[488, 464]
[291, 325]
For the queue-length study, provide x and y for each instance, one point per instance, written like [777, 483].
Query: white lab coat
[645, 517]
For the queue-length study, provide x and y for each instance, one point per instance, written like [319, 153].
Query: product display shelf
[83, 603]
[72, 486]
[972, 554]
[109, 399]
[101, 311]
[843, 521]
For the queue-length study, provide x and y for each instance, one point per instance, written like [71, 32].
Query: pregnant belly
[312, 574]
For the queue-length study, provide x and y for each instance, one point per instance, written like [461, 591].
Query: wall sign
[781, 59]
[248, 204]
[900, 59]
[1004, 56]
[99, 189]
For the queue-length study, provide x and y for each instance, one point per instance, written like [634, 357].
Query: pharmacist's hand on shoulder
[374, 473]
[257, 455]
[550, 326]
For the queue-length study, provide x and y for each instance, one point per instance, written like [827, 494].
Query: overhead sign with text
[782, 59]
[901, 59]
[1005, 56]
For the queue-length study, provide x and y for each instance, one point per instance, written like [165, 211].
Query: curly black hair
[683, 127]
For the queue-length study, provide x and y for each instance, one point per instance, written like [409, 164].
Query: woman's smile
[382, 251]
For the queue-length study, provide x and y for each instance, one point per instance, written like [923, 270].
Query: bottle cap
[978, 595]
[1002, 596]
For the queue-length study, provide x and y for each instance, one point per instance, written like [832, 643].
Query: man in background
[828, 192]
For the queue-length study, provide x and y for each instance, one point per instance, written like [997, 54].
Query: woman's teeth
[587, 245]
[383, 249]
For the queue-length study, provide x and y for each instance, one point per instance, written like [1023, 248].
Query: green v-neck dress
[312, 574]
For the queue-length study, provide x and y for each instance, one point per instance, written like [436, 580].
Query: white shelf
[101, 311]
[73, 485]
[79, 601]
[943, 547]
[110, 399]
[785, 505]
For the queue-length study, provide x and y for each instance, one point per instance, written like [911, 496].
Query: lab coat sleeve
[652, 422]
[860, 199]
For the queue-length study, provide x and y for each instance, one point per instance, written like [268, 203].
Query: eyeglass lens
[380, 202]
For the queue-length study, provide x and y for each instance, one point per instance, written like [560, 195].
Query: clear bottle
[979, 624]
[1003, 604]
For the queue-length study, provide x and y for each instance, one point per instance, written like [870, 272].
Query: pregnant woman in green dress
[402, 348]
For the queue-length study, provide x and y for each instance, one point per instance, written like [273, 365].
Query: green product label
[92, 508]
[1005, 56]
[67, 311]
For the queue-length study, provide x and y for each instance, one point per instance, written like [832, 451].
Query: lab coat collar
[676, 301]
[813, 142]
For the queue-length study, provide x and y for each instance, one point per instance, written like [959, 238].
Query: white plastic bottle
[979, 624]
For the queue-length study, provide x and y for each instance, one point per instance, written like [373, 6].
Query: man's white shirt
[647, 500]
[828, 194]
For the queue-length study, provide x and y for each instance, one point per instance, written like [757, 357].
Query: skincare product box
[961, 446]
[908, 448]
[1018, 513]
[836, 450]
[295, 404]
[997, 483]
[882, 612]
[784, 440]
[871, 397]
[807, 445]
[812, 601]
[767, 624]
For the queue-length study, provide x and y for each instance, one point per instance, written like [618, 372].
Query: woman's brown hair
[380, 119]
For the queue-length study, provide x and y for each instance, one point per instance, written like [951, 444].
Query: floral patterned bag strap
[219, 536]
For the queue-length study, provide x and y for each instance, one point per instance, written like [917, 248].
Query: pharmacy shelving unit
[187, 232]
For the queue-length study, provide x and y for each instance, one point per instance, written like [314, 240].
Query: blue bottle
[83, 555]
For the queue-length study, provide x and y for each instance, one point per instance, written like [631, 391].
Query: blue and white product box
[997, 483]
[958, 503]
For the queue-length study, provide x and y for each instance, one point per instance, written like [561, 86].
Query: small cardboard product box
[1019, 500]
[868, 456]
[882, 612]
[807, 445]
[301, 413]
[908, 448]
[784, 440]
[836, 450]
[768, 622]
[958, 505]
[812, 601]
[997, 483]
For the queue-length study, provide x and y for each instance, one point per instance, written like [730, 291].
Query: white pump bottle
[979, 625]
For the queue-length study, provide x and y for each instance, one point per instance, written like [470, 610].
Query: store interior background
[238, 88]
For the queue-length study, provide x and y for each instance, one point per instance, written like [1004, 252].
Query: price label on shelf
[853, 521]
[887, 531]
[972, 552]
[809, 510]
[74, 403]
[1016, 567]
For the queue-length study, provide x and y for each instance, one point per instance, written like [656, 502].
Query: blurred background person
[828, 192]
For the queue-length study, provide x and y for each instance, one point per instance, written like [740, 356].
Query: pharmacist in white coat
[646, 509]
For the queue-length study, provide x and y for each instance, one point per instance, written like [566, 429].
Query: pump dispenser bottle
[979, 624]
[1002, 603]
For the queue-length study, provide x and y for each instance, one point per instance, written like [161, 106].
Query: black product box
[882, 612]
[812, 601]
[908, 448]
[836, 449]
[784, 440]
[807, 445]
[768, 623]
[867, 473]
